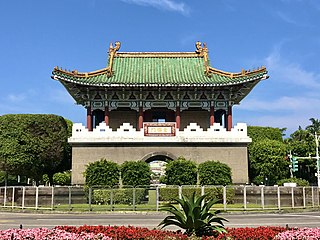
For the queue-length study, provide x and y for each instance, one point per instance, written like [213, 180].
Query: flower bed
[128, 233]
[132, 233]
[48, 234]
[300, 234]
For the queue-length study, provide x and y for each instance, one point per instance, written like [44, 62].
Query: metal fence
[146, 198]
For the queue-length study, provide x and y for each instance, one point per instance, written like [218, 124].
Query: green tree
[260, 133]
[102, 172]
[268, 162]
[33, 144]
[314, 127]
[302, 143]
[181, 172]
[135, 173]
[214, 173]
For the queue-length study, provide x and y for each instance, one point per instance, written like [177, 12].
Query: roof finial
[112, 52]
[198, 47]
[201, 48]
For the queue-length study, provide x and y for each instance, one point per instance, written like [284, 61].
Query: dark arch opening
[157, 162]
[158, 156]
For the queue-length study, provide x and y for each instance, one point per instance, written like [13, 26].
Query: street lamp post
[317, 157]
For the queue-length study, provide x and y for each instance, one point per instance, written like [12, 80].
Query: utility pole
[317, 157]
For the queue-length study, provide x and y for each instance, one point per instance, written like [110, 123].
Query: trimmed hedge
[135, 173]
[119, 196]
[102, 172]
[168, 194]
[181, 172]
[214, 173]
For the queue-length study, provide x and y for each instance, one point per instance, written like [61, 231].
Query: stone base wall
[233, 154]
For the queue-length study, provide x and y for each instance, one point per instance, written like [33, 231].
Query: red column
[89, 118]
[106, 115]
[140, 120]
[229, 118]
[178, 117]
[211, 115]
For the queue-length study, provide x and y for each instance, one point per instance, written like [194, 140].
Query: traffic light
[294, 164]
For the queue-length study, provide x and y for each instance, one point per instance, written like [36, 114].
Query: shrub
[62, 178]
[135, 173]
[195, 216]
[119, 196]
[299, 181]
[214, 173]
[181, 172]
[169, 193]
[103, 173]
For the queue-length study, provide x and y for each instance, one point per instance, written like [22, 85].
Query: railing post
[23, 196]
[134, 198]
[111, 199]
[318, 196]
[180, 195]
[202, 193]
[225, 198]
[90, 197]
[245, 197]
[304, 197]
[5, 196]
[52, 197]
[157, 198]
[37, 197]
[292, 198]
[312, 196]
[12, 200]
[70, 208]
[279, 198]
[202, 190]
[262, 197]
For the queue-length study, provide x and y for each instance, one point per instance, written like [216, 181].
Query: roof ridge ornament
[112, 52]
[202, 50]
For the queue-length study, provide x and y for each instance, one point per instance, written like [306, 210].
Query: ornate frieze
[159, 98]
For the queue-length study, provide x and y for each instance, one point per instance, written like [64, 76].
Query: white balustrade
[192, 133]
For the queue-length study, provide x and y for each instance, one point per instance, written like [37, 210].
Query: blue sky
[283, 35]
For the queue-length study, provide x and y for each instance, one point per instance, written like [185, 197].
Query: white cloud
[168, 5]
[291, 72]
[60, 96]
[286, 18]
[291, 108]
[287, 103]
[16, 97]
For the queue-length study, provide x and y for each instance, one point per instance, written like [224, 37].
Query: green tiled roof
[158, 69]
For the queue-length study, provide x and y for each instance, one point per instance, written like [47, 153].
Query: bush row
[118, 196]
[166, 194]
[177, 172]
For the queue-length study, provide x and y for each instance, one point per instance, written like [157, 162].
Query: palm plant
[195, 216]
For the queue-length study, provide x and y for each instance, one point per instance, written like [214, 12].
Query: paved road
[151, 220]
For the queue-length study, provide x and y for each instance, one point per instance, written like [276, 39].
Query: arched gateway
[159, 102]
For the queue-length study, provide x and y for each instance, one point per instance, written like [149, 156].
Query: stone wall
[127, 144]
